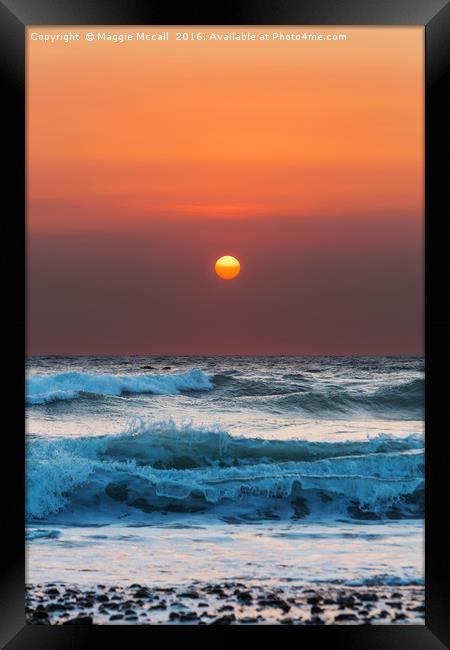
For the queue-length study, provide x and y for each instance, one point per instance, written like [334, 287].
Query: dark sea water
[307, 469]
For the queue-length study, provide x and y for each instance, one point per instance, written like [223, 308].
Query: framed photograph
[231, 220]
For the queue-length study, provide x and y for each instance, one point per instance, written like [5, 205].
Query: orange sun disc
[227, 267]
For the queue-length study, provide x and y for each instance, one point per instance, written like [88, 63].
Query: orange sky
[216, 128]
[142, 134]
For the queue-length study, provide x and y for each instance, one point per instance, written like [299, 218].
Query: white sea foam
[155, 464]
[44, 388]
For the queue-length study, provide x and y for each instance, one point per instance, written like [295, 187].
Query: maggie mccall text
[138, 36]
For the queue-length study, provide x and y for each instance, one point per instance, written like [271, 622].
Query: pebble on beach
[223, 604]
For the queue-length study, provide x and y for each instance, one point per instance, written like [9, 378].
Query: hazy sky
[149, 160]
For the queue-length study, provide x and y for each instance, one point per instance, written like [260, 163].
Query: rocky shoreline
[223, 604]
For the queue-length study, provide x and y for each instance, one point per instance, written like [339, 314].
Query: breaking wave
[159, 467]
[294, 393]
[45, 388]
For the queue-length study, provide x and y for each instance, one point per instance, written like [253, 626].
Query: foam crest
[161, 466]
[45, 388]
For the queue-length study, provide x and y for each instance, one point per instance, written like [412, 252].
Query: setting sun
[227, 267]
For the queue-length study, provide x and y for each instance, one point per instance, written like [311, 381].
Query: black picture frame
[434, 15]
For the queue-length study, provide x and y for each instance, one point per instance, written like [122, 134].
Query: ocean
[274, 471]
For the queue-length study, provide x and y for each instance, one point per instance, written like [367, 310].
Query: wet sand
[228, 603]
